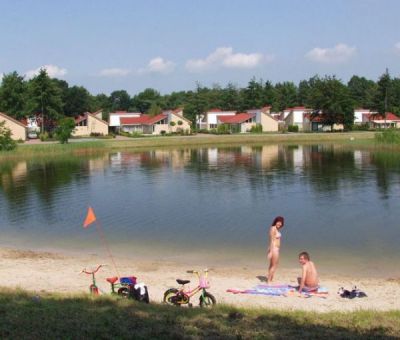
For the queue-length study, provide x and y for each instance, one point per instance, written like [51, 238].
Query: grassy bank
[92, 147]
[24, 315]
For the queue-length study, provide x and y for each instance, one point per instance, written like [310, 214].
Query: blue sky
[169, 45]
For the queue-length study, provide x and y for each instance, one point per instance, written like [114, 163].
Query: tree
[120, 100]
[143, 100]
[154, 110]
[383, 100]
[6, 142]
[13, 95]
[362, 91]
[268, 93]
[77, 101]
[230, 97]
[253, 95]
[64, 129]
[331, 97]
[285, 95]
[44, 97]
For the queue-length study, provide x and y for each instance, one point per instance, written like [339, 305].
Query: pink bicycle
[181, 296]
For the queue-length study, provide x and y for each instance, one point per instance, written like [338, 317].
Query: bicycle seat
[112, 280]
[182, 282]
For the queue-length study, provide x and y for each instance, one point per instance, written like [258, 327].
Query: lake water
[212, 206]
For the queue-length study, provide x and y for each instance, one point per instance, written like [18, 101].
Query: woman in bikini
[274, 245]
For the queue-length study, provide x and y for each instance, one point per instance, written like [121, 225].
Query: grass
[25, 315]
[93, 147]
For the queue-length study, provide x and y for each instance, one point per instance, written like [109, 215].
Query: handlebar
[94, 271]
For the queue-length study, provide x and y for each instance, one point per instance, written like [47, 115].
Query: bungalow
[114, 119]
[170, 121]
[361, 116]
[209, 120]
[240, 122]
[18, 129]
[318, 123]
[295, 116]
[90, 124]
[377, 120]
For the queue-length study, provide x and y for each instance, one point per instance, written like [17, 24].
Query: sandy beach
[56, 272]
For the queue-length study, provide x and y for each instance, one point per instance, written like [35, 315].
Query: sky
[171, 45]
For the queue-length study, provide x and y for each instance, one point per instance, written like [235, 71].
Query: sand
[57, 272]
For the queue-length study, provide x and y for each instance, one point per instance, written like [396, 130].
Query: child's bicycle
[124, 288]
[181, 296]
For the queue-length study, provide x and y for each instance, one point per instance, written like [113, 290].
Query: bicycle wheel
[169, 296]
[207, 300]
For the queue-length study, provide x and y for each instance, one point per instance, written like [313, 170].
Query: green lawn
[24, 315]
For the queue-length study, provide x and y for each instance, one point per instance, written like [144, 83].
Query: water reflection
[332, 196]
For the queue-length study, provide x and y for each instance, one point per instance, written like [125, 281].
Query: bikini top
[278, 234]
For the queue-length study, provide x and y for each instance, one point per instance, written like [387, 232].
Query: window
[213, 126]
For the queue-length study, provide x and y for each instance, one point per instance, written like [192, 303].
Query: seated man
[308, 282]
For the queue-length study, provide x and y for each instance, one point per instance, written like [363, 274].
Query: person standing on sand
[308, 281]
[274, 246]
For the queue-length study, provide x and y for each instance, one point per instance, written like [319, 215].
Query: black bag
[135, 293]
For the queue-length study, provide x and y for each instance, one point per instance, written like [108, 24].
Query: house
[361, 116]
[18, 129]
[90, 124]
[209, 120]
[238, 122]
[170, 121]
[114, 119]
[318, 123]
[295, 116]
[377, 120]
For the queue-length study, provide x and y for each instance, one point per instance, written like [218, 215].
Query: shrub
[44, 136]
[6, 142]
[180, 122]
[360, 127]
[172, 123]
[96, 134]
[293, 128]
[163, 132]
[223, 129]
[389, 136]
[64, 129]
[256, 128]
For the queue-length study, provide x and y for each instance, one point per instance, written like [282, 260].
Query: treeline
[20, 97]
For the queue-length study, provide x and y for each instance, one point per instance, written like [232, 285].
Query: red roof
[235, 119]
[142, 120]
[389, 116]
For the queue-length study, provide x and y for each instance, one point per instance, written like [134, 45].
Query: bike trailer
[128, 280]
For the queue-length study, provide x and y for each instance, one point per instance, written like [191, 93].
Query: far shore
[88, 146]
[41, 272]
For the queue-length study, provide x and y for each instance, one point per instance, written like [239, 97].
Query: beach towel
[279, 290]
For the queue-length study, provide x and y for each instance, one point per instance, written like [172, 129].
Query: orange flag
[90, 218]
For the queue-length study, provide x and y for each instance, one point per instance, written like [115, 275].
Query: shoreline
[42, 271]
[145, 143]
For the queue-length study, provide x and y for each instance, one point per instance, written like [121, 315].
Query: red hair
[278, 219]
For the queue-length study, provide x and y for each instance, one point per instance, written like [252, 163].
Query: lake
[212, 206]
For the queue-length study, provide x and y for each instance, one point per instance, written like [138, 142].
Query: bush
[163, 132]
[223, 129]
[6, 142]
[180, 122]
[64, 129]
[172, 124]
[389, 136]
[360, 127]
[293, 128]
[44, 136]
[96, 134]
[256, 128]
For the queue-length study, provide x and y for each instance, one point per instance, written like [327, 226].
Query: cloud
[337, 54]
[158, 65]
[52, 71]
[225, 57]
[114, 72]
[397, 48]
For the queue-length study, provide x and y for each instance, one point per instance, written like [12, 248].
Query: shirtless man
[309, 279]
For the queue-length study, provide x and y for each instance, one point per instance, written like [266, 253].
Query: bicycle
[124, 288]
[181, 296]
